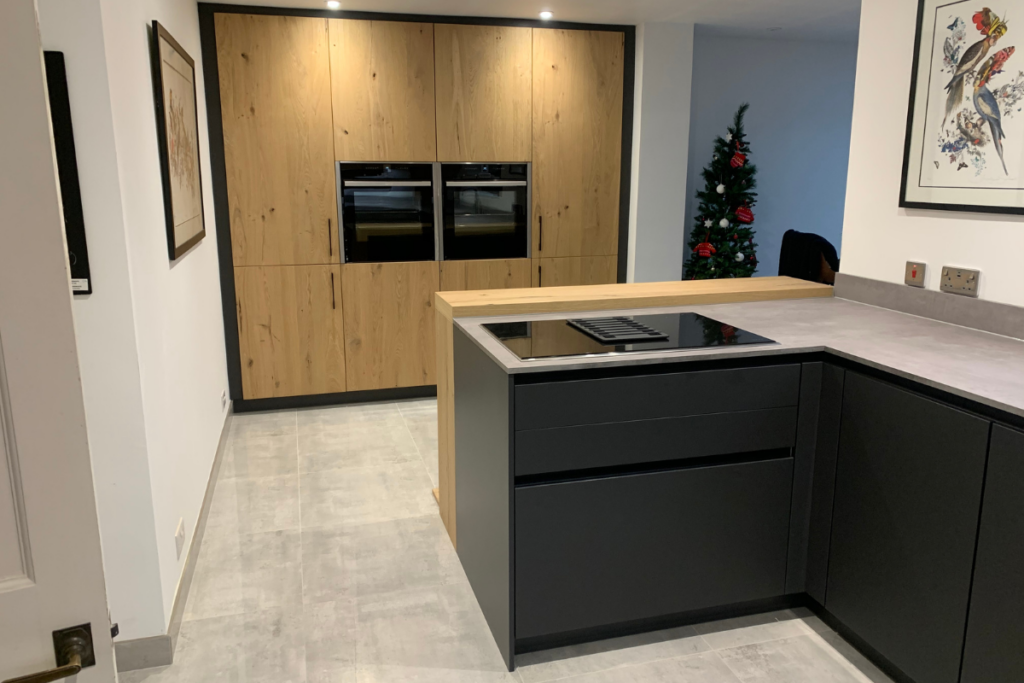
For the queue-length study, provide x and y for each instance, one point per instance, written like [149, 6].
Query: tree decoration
[727, 247]
[720, 189]
[739, 158]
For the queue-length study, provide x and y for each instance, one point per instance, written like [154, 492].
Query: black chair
[808, 256]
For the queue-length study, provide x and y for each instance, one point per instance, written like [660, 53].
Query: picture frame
[177, 117]
[964, 144]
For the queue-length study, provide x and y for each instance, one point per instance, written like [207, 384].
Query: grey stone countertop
[983, 367]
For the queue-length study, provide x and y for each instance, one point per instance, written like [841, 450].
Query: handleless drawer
[617, 444]
[646, 397]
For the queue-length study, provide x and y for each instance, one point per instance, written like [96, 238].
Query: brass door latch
[73, 648]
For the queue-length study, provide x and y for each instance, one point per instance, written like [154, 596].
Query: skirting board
[978, 314]
[146, 653]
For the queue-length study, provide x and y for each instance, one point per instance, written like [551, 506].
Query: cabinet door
[905, 521]
[290, 330]
[484, 92]
[389, 324]
[488, 274]
[995, 632]
[585, 270]
[275, 93]
[577, 141]
[382, 80]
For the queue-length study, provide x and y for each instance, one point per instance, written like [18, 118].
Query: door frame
[222, 211]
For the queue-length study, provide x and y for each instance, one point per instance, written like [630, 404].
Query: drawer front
[620, 399]
[606, 551]
[561, 449]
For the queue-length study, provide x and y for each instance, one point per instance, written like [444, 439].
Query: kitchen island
[843, 466]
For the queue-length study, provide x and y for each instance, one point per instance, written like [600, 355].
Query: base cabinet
[907, 502]
[603, 551]
[994, 652]
[575, 270]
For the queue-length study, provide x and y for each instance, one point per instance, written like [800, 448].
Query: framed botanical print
[174, 86]
[964, 148]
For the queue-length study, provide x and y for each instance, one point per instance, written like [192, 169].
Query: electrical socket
[962, 281]
[179, 536]
[914, 275]
[223, 401]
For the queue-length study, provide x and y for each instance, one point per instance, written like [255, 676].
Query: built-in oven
[388, 211]
[485, 210]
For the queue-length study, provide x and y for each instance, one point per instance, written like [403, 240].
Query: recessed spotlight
[773, 29]
[333, 4]
[545, 15]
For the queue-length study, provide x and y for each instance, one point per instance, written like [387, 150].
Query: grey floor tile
[550, 665]
[804, 659]
[418, 406]
[263, 457]
[217, 589]
[406, 674]
[336, 417]
[329, 630]
[430, 628]
[267, 503]
[361, 444]
[271, 566]
[261, 425]
[757, 628]
[365, 495]
[705, 667]
[851, 655]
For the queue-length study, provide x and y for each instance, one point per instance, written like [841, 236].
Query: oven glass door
[485, 218]
[387, 215]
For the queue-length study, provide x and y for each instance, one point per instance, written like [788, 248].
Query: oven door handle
[486, 183]
[386, 183]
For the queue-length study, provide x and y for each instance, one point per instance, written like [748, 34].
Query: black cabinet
[995, 631]
[907, 503]
[618, 549]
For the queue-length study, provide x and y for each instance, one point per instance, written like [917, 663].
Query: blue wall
[798, 126]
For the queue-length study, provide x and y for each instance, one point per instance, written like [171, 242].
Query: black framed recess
[222, 213]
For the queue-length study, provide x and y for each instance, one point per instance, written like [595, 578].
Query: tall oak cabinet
[300, 93]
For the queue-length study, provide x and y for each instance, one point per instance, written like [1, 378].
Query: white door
[51, 570]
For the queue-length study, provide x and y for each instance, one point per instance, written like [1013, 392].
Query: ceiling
[793, 19]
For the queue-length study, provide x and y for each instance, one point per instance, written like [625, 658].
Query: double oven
[433, 211]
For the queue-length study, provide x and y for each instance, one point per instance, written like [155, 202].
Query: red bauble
[744, 214]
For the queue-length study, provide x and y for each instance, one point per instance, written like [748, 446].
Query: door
[577, 141]
[275, 93]
[383, 87]
[904, 524]
[484, 92]
[579, 270]
[51, 570]
[389, 324]
[995, 630]
[457, 276]
[290, 330]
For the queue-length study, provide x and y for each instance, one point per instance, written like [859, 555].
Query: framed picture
[174, 85]
[964, 148]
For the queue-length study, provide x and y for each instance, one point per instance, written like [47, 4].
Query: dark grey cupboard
[994, 652]
[907, 501]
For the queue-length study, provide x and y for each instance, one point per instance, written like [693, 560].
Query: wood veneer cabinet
[577, 139]
[484, 92]
[578, 270]
[487, 274]
[383, 87]
[389, 324]
[275, 91]
[290, 330]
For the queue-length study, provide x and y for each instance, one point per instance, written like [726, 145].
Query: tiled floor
[325, 561]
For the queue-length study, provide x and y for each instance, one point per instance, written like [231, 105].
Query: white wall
[151, 338]
[878, 237]
[661, 124]
[798, 127]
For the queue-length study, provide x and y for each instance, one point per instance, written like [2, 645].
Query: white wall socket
[179, 536]
[223, 400]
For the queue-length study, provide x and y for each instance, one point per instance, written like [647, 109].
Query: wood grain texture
[290, 330]
[486, 274]
[484, 92]
[460, 304]
[575, 270]
[389, 324]
[383, 87]
[275, 91]
[577, 140]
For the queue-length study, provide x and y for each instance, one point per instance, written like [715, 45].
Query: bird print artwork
[985, 102]
[992, 28]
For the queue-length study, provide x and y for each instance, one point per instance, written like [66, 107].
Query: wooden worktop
[495, 302]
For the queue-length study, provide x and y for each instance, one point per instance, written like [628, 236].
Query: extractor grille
[617, 330]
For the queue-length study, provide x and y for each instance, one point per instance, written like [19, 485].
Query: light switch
[915, 273]
[962, 281]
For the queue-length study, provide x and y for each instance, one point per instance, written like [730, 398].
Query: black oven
[388, 212]
[486, 211]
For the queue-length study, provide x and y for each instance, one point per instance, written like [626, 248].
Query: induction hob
[533, 340]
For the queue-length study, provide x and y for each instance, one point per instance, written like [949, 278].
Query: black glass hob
[618, 334]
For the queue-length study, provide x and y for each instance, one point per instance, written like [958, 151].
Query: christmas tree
[722, 243]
